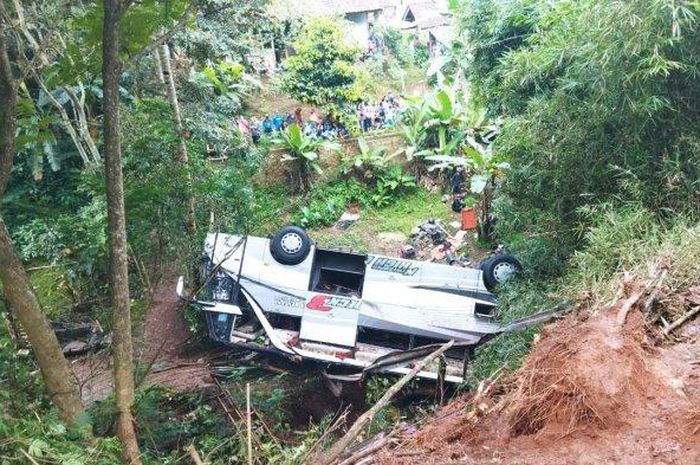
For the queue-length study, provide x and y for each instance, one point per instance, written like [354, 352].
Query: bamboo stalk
[249, 423]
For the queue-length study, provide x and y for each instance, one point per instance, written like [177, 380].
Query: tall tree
[122, 346]
[181, 155]
[60, 381]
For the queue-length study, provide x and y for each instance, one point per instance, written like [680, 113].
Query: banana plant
[302, 151]
[447, 117]
[370, 162]
[484, 166]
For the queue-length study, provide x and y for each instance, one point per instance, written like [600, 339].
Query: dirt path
[588, 393]
[163, 348]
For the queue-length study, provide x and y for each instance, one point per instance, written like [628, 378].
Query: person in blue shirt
[266, 125]
[278, 122]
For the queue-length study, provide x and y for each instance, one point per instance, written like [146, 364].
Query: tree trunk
[159, 66]
[8, 108]
[122, 348]
[181, 156]
[58, 377]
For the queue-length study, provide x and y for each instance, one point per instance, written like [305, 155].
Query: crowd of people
[384, 114]
[315, 126]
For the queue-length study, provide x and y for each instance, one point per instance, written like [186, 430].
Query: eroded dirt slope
[162, 348]
[590, 392]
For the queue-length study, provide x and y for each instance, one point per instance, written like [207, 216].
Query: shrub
[323, 71]
[599, 99]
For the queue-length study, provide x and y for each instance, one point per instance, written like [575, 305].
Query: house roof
[424, 15]
[306, 8]
[417, 11]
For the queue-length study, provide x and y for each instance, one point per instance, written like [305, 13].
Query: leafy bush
[390, 185]
[421, 56]
[327, 203]
[323, 71]
[302, 152]
[396, 42]
[599, 99]
[368, 163]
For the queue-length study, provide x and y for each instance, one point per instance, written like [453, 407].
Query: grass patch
[402, 216]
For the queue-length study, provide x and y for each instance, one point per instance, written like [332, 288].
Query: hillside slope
[596, 388]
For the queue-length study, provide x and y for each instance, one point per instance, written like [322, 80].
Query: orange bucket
[468, 218]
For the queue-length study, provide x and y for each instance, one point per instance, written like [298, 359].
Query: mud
[589, 392]
[163, 348]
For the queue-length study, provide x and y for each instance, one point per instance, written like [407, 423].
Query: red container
[469, 218]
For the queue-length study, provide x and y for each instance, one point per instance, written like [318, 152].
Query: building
[429, 20]
[360, 14]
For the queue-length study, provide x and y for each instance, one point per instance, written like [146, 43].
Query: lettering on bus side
[326, 303]
[393, 265]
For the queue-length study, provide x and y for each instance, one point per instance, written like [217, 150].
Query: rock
[74, 346]
[346, 220]
[408, 252]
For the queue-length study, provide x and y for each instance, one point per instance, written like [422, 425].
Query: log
[650, 289]
[338, 448]
[680, 321]
[194, 455]
[369, 449]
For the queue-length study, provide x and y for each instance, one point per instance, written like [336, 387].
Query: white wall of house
[358, 27]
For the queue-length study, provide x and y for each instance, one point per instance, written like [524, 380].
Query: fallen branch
[29, 457]
[649, 289]
[408, 453]
[338, 448]
[249, 423]
[680, 321]
[369, 449]
[194, 455]
[339, 421]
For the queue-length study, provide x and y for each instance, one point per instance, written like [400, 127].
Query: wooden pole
[249, 422]
[194, 455]
[338, 448]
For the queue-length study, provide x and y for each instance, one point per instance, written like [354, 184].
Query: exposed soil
[163, 348]
[590, 392]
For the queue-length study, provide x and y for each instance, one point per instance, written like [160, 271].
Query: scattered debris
[81, 338]
[346, 220]
[408, 252]
[339, 447]
[433, 240]
[431, 231]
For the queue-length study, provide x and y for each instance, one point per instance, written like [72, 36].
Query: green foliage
[391, 184]
[222, 30]
[623, 239]
[489, 30]
[599, 99]
[302, 151]
[397, 44]
[326, 203]
[211, 99]
[28, 423]
[78, 239]
[517, 298]
[323, 71]
[421, 55]
[369, 163]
